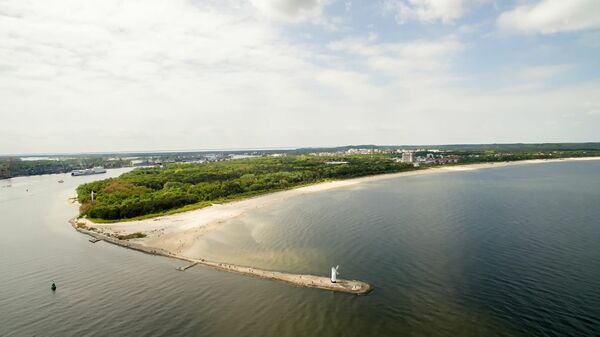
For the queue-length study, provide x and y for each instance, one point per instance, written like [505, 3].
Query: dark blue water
[496, 252]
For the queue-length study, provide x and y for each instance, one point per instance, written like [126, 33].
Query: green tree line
[145, 191]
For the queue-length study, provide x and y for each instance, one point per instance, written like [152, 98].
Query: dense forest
[156, 190]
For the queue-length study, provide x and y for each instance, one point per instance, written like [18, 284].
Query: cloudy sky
[119, 75]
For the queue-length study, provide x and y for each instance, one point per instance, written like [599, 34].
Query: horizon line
[283, 148]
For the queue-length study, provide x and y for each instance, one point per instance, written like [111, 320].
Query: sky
[117, 75]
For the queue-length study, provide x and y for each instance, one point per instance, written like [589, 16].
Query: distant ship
[87, 172]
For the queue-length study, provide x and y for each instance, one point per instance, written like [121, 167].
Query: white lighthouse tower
[334, 273]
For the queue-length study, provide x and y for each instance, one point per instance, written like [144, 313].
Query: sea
[504, 251]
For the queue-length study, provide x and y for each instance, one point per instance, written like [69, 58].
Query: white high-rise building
[408, 157]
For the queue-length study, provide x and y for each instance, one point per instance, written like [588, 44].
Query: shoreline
[173, 235]
[160, 229]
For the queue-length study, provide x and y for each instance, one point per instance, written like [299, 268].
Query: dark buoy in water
[53, 286]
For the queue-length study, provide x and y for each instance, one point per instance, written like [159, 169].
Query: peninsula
[173, 234]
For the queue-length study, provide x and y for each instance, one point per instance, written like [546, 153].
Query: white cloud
[402, 58]
[592, 109]
[542, 72]
[86, 75]
[553, 16]
[295, 10]
[446, 11]
[147, 73]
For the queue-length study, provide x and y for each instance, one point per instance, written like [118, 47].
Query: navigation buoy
[53, 286]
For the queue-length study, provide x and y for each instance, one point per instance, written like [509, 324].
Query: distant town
[426, 157]
[26, 165]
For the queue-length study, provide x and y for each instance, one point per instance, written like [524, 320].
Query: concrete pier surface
[302, 280]
[184, 268]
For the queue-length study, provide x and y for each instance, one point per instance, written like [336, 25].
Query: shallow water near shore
[496, 252]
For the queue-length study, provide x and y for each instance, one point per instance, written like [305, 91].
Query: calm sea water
[511, 251]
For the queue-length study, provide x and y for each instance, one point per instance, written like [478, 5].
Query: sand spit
[173, 235]
[177, 232]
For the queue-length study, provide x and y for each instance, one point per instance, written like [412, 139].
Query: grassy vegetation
[147, 192]
[185, 208]
[136, 235]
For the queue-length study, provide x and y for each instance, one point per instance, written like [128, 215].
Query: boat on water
[87, 172]
[61, 181]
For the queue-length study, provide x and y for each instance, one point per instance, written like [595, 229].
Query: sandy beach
[176, 233]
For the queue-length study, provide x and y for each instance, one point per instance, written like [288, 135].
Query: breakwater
[302, 280]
